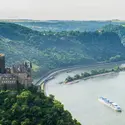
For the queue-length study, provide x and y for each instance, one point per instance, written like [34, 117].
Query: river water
[81, 99]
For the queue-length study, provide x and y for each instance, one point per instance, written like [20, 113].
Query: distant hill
[58, 26]
[49, 50]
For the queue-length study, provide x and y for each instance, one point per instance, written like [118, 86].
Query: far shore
[42, 81]
[90, 77]
[72, 68]
[55, 72]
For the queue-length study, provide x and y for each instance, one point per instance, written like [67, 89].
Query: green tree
[69, 79]
[14, 122]
[86, 74]
[77, 76]
[116, 69]
[27, 107]
[94, 72]
[26, 122]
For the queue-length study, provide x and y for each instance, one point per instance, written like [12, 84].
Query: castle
[10, 77]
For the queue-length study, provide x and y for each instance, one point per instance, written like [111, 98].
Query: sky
[62, 9]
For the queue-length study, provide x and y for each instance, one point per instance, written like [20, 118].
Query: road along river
[81, 99]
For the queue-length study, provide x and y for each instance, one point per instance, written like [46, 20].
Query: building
[24, 79]
[8, 80]
[22, 68]
[18, 73]
[23, 72]
[8, 70]
[2, 63]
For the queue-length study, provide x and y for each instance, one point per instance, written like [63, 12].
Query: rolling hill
[49, 50]
[58, 26]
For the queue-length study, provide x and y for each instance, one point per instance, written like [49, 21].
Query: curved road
[50, 75]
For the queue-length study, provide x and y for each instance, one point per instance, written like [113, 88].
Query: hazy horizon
[28, 19]
[62, 9]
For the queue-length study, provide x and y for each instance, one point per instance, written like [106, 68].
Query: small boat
[110, 104]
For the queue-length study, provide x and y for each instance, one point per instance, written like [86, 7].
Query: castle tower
[2, 63]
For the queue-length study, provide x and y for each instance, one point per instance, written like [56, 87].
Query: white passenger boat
[110, 104]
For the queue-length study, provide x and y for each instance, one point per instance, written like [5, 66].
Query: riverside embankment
[90, 77]
[51, 74]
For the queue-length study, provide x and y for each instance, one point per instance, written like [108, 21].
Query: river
[81, 99]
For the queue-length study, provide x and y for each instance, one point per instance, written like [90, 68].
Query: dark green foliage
[49, 50]
[116, 58]
[29, 107]
[93, 73]
[69, 79]
[77, 76]
[86, 74]
[119, 29]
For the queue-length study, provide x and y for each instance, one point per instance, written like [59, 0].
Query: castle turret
[2, 63]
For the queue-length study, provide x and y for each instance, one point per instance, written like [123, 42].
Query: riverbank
[44, 79]
[71, 68]
[42, 86]
[90, 77]
[93, 73]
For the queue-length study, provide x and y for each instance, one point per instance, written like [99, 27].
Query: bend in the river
[81, 98]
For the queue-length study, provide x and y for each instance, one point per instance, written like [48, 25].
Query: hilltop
[49, 50]
[65, 25]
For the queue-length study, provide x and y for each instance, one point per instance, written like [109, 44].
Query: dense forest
[29, 107]
[119, 29]
[49, 50]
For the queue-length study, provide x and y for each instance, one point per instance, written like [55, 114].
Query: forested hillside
[28, 107]
[49, 50]
[119, 29]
